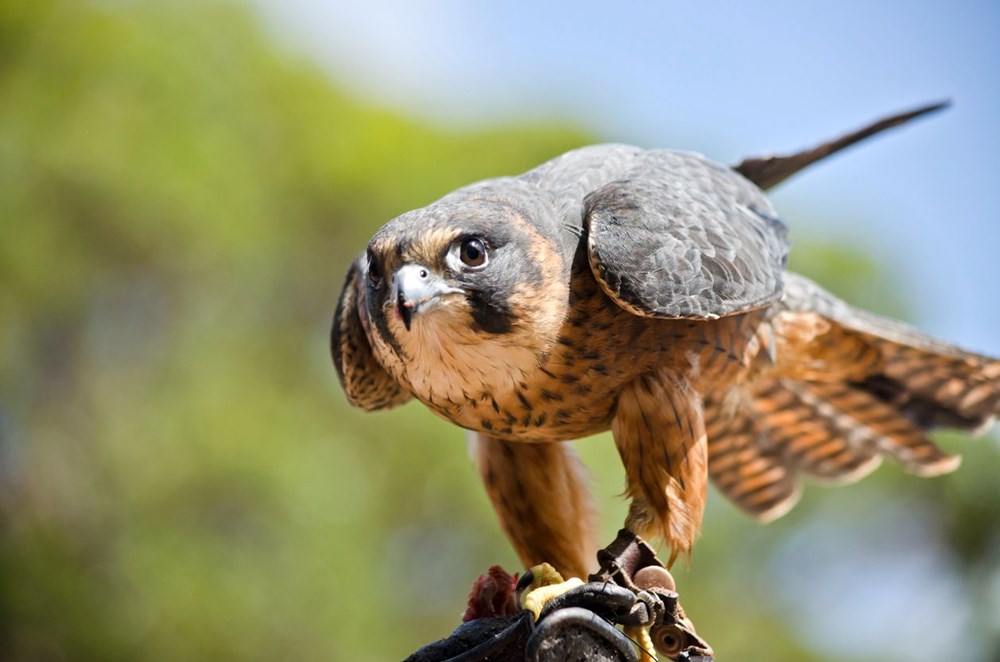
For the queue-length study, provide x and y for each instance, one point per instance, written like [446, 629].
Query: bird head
[470, 285]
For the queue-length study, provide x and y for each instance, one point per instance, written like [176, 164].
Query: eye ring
[473, 253]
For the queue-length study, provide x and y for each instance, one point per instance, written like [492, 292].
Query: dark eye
[472, 252]
[374, 273]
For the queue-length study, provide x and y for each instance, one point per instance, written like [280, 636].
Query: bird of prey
[645, 292]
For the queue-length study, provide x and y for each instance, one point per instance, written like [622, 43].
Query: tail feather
[770, 171]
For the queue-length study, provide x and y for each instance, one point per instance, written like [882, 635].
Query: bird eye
[472, 252]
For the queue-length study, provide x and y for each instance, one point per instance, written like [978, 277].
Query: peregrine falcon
[645, 292]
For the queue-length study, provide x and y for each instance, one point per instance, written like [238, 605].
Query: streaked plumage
[642, 291]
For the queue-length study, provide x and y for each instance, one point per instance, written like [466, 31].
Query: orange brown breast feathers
[645, 292]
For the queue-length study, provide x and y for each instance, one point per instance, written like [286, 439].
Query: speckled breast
[600, 349]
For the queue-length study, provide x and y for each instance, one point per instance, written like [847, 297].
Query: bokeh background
[182, 185]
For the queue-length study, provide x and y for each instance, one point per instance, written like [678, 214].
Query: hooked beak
[416, 289]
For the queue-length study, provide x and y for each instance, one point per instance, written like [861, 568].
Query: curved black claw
[687, 657]
[574, 633]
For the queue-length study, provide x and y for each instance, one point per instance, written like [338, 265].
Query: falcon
[645, 292]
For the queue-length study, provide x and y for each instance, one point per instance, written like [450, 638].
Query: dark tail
[769, 171]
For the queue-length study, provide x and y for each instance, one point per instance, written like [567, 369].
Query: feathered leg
[539, 492]
[660, 434]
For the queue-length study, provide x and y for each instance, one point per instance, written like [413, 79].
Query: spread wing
[681, 237]
[847, 389]
[365, 381]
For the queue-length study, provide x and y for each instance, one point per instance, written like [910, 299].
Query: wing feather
[681, 237]
[743, 467]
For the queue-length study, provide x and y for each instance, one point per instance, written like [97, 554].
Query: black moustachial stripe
[490, 313]
[378, 296]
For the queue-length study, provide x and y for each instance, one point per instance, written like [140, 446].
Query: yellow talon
[546, 585]
[643, 642]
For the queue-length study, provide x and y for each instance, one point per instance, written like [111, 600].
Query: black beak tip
[405, 313]
[525, 581]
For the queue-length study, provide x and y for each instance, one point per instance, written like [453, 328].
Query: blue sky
[729, 79]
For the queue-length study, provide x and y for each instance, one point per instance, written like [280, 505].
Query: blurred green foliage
[180, 476]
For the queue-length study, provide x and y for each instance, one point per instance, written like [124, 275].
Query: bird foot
[631, 563]
[540, 585]
[630, 601]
